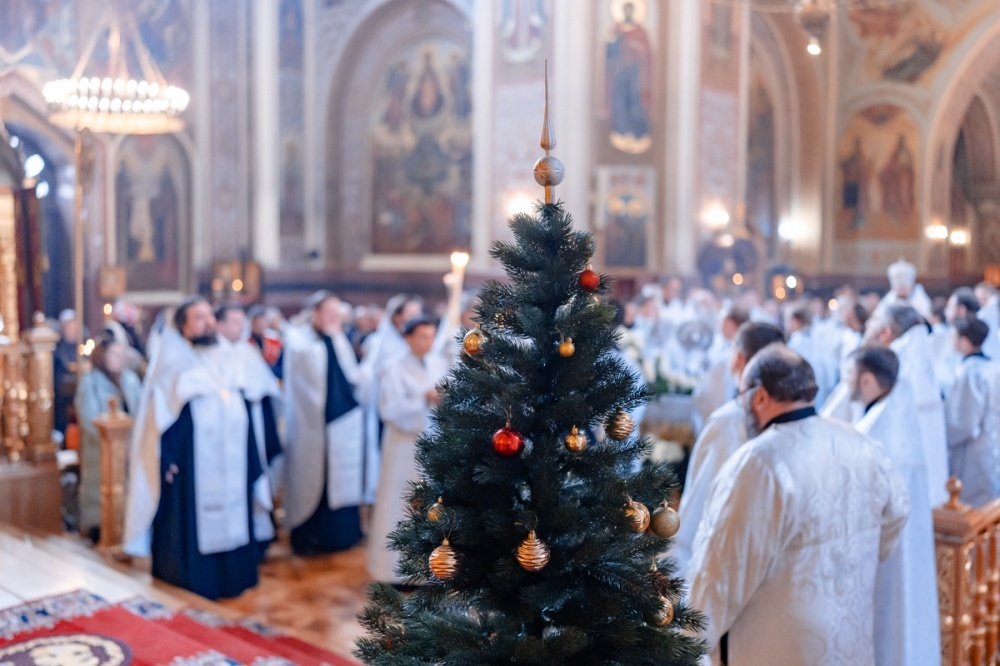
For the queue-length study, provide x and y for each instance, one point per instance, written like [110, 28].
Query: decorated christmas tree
[530, 539]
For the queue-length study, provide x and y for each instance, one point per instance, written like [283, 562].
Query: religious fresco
[421, 147]
[522, 28]
[761, 196]
[628, 57]
[39, 33]
[720, 51]
[165, 27]
[152, 185]
[877, 185]
[628, 202]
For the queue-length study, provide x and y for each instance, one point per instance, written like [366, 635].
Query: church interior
[757, 154]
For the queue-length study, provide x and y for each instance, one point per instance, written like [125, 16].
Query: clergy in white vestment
[962, 304]
[380, 350]
[972, 414]
[989, 311]
[327, 467]
[803, 340]
[906, 608]
[723, 434]
[716, 385]
[193, 464]
[796, 523]
[108, 378]
[901, 328]
[904, 290]
[407, 393]
[262, 392]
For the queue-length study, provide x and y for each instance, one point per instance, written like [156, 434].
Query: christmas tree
[530, 539]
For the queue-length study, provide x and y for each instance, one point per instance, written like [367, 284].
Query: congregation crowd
[826, 429]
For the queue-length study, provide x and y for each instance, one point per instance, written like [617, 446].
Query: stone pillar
[40, 342]
[267, 161]
[114, 428]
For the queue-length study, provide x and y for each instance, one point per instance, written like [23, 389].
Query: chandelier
[114, 101]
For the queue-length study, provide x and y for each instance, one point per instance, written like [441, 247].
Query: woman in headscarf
[108, 378]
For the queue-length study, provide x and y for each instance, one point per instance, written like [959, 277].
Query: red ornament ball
[590, 280]
[508, 443]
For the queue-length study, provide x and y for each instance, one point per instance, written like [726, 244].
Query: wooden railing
[966, 544]
[27, 396]
[114, 428]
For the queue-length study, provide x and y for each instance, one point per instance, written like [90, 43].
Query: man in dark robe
[326, 451]
[194, 462]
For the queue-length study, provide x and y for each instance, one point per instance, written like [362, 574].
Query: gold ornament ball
[665, 522]
[576, 441]
[436, 512]
[567, 348]
[443, 561]
[619, 425]
[549, 171]
[473, 342]
[664, 615]
[637, 515]
[533, 554]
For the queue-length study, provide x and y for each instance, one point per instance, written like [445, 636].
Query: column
[266, 176]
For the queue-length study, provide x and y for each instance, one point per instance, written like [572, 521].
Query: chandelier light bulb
[813, 48]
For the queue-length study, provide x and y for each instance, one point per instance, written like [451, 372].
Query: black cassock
[329, 530]
[176, 558]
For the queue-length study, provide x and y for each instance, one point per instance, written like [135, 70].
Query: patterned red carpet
[82, 629]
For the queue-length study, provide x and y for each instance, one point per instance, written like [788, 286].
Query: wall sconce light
[519, 202]
[937, 232]
[715, 217]
[959, 237]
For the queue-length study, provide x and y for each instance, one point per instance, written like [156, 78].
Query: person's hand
[433, 397]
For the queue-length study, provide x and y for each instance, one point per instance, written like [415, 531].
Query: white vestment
[785, 557]
[918, 300]
[335, 454]
[180, 375]
[990, 313]
[839, 405]
[715, 385]
[723, 434]
[406, 413]
[973, 419]
[906, 608]
[806, 344]
[254, 378]
[916, 367]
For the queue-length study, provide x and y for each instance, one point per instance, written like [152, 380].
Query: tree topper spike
[548, 136]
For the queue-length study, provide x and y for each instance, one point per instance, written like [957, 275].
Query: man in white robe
[785, 557]
[906, 608]
[962, 304]
[989, 311]
[802, 340]
[328, 467]
[255, 379]
[901, 328]
[972, 414]
[723, 434]
[716, 385]
[193, 464]
[407, 393]
[904, 290]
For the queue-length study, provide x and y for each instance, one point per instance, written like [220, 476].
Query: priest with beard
[906, 609]
[796, 523]
[724, 432]
[328, 466]
[262, 392]
[194, 462]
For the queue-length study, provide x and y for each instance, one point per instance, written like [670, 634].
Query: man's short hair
[861, 314]
[222, 311]
[753, 336]
[737, 314]
[416, 323]
[180, 314]
[802, 313]
[317, 299]
[974, 330]
[900, 318]
[881, 362]
[256, 311]
[965, 297]
[786, 376]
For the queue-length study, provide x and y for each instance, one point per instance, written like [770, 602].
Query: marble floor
[316, 598]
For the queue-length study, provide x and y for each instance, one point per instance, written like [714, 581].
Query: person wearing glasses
[724, 432]
[785, 557]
